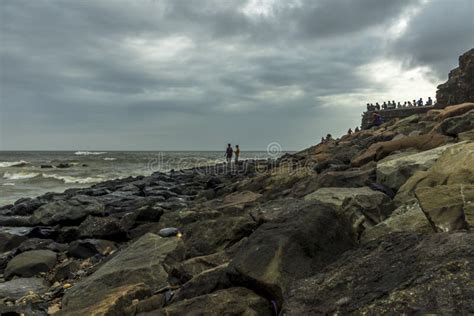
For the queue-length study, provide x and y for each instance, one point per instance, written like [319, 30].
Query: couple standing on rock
[229, 152]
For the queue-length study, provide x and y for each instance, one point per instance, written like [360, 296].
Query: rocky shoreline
[377, 222]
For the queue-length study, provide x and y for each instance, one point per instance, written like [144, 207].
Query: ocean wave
[71, 179]
[87, 153]
[19, 175]
[110, 158]
[6, 164]
[9, 184]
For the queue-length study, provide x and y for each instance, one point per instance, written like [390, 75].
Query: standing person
[237, 153]
[228, 153]
[349, 132]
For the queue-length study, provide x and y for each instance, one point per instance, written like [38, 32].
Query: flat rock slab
[17, 288]
[140, 263]
[30, 263]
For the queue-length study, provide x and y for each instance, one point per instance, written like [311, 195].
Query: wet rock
[448, 207]
[209, 236]
[399, 274]
[39, 244]
[46, 166]
[65, 270]
[17, 288]
[234, 301]
[30, 263]
[206, 282]
[69, 211]
[109, 228]
[10, 241]
[289, 248]
[16, 221]
[26, 206]
[87, 248]
[127, 269]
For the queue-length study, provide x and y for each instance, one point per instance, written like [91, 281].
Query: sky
[198, 74]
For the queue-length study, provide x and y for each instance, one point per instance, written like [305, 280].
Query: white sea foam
[9, 184]
[6, 164]
[19, 175]
[110, 158]
[71, 179]
[87, 153]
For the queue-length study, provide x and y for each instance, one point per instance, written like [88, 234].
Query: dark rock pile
[377, 222]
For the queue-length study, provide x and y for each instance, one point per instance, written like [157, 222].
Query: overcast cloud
[194, 75]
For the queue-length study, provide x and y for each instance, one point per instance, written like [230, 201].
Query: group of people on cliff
[391, 105]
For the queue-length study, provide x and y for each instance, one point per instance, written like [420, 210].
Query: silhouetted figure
[368, 107]
[420, 102]
[377, 106]
[429, 101]
[323, 141]
[237, 153]
[356, 130]
[349, 132]
[228, 153]
[405, 104]
[384, 105]
[328, 137]
[399, 105]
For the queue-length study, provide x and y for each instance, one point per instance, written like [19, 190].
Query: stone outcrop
[137, 270]
[460, 85]
[399, 274]
[381, 150]
[395, 171]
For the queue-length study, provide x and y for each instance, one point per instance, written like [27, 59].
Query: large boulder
[402, 273]
[460, 85]
[381, 150]
[30, 263]
[86, 248]
[17, 288]
[448, 207]
[456, 125]
[213, 235]
[9, 241]
[363, 207]
[290, 247]
[394, 172]
[71, 211]
[109, 228]
[232, 302]
[454, 166]
[136, 270]
[406, 218]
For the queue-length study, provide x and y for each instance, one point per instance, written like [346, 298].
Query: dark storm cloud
[202, 72]
[441, 31]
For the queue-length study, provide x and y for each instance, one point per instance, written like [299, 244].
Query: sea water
[32, 173]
